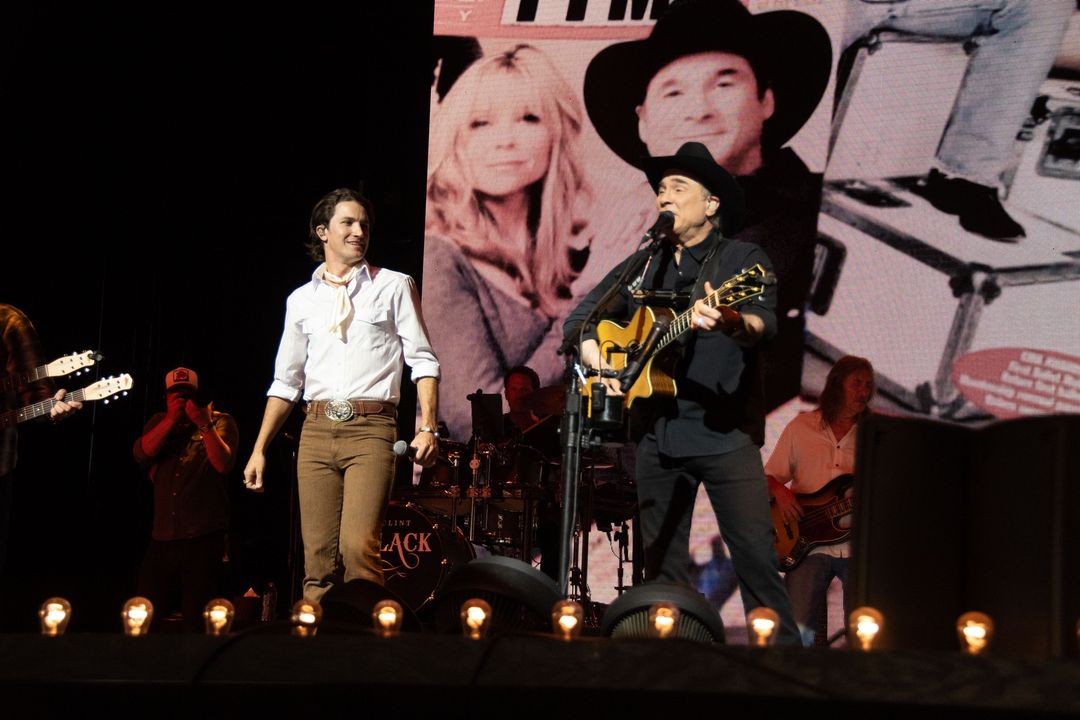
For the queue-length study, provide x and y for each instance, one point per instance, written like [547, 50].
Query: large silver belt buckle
[339, 410]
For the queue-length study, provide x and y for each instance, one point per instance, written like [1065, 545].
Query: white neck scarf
[343, 307]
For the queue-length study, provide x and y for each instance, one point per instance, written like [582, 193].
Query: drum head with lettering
[418, 551]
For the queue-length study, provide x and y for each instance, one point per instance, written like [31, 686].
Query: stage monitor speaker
[951, 518]
[521, 596]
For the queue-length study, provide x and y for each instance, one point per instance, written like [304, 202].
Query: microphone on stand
[633, 368]
[663, 224]
[654, 236]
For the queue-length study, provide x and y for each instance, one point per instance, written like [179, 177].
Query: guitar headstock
[108, 388]
[74, 363]
[747, 284]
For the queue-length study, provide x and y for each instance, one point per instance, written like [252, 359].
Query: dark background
[158, 172]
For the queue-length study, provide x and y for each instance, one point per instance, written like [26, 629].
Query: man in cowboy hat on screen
[742, 85]
[711, 432]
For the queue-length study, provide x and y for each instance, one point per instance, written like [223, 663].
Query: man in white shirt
[814, 449]
[348, 334]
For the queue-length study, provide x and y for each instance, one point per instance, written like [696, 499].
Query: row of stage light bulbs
[974, 629]
[387, 617]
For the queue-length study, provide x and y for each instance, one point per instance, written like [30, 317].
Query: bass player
[813, 450]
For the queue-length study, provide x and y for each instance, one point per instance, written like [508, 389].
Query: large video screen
[912, 169]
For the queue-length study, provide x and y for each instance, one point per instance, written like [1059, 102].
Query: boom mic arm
[636, 364]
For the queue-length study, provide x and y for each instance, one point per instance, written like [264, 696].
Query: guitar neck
[23, 414]
[730, 294]
[11, 382]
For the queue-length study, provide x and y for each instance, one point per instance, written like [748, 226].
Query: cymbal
[548, 400]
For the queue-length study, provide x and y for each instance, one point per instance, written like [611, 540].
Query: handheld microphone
[404, 449]
[663, 223]
[633, 368]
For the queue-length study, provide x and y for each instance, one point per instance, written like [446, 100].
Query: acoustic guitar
[620, 342]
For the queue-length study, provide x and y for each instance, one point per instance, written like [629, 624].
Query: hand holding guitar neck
[63, 408]
[722, 317]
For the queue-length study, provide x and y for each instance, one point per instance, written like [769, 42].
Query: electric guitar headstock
[107, 389]
[75, 363]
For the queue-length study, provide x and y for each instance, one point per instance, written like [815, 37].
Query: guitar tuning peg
[106, 401]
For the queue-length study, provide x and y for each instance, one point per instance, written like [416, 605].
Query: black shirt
[720, 399]
[190, 496]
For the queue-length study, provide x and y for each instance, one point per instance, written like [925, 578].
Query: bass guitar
[105, 389]
[820, 524]
[61, 366]
[619, 342]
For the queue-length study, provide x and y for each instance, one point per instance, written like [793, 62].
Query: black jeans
[735, 483]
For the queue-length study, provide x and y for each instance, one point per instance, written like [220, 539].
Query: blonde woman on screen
[503, 237]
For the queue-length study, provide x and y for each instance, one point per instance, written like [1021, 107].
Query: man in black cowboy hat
[742, 85]
[711, 432]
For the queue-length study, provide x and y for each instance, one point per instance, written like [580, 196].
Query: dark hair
[832, 397]
[456, 54]
[522, 370]
[324, 211]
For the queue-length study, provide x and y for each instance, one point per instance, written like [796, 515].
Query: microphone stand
[570, 429]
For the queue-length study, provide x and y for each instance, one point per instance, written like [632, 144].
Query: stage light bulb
[475, 618]
[663, 619]
[306, 616]
[137, 615]
[567, 618]
[864, 626]
[219, 614]
[974, 630]
[55, 614]
[762, 623]
[387, 617]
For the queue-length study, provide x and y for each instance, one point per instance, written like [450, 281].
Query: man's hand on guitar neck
[593, 358]
[785, 500]
[744, 329]
[63, 408]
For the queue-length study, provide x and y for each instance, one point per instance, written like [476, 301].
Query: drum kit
[491, 496]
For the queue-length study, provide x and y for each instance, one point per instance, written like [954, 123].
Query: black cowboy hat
[789, 50]
[695, 161]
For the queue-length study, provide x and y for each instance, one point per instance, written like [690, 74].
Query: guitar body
[821, 523]
[656, 377]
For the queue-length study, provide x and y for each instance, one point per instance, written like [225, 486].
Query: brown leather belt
[339, 409]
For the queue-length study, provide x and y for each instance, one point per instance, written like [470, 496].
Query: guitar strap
[708, 269]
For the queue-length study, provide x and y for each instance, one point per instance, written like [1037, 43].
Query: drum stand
[579, 574]
[622, 536]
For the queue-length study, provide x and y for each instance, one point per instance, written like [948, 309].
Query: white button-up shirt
[809, 456]
[386, 332]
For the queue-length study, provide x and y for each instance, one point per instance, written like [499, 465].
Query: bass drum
[419, 549]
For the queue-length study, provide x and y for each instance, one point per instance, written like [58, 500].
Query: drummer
[529, 422]
[533, 423]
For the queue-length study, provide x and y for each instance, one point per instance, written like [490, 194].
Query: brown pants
[345, 471]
